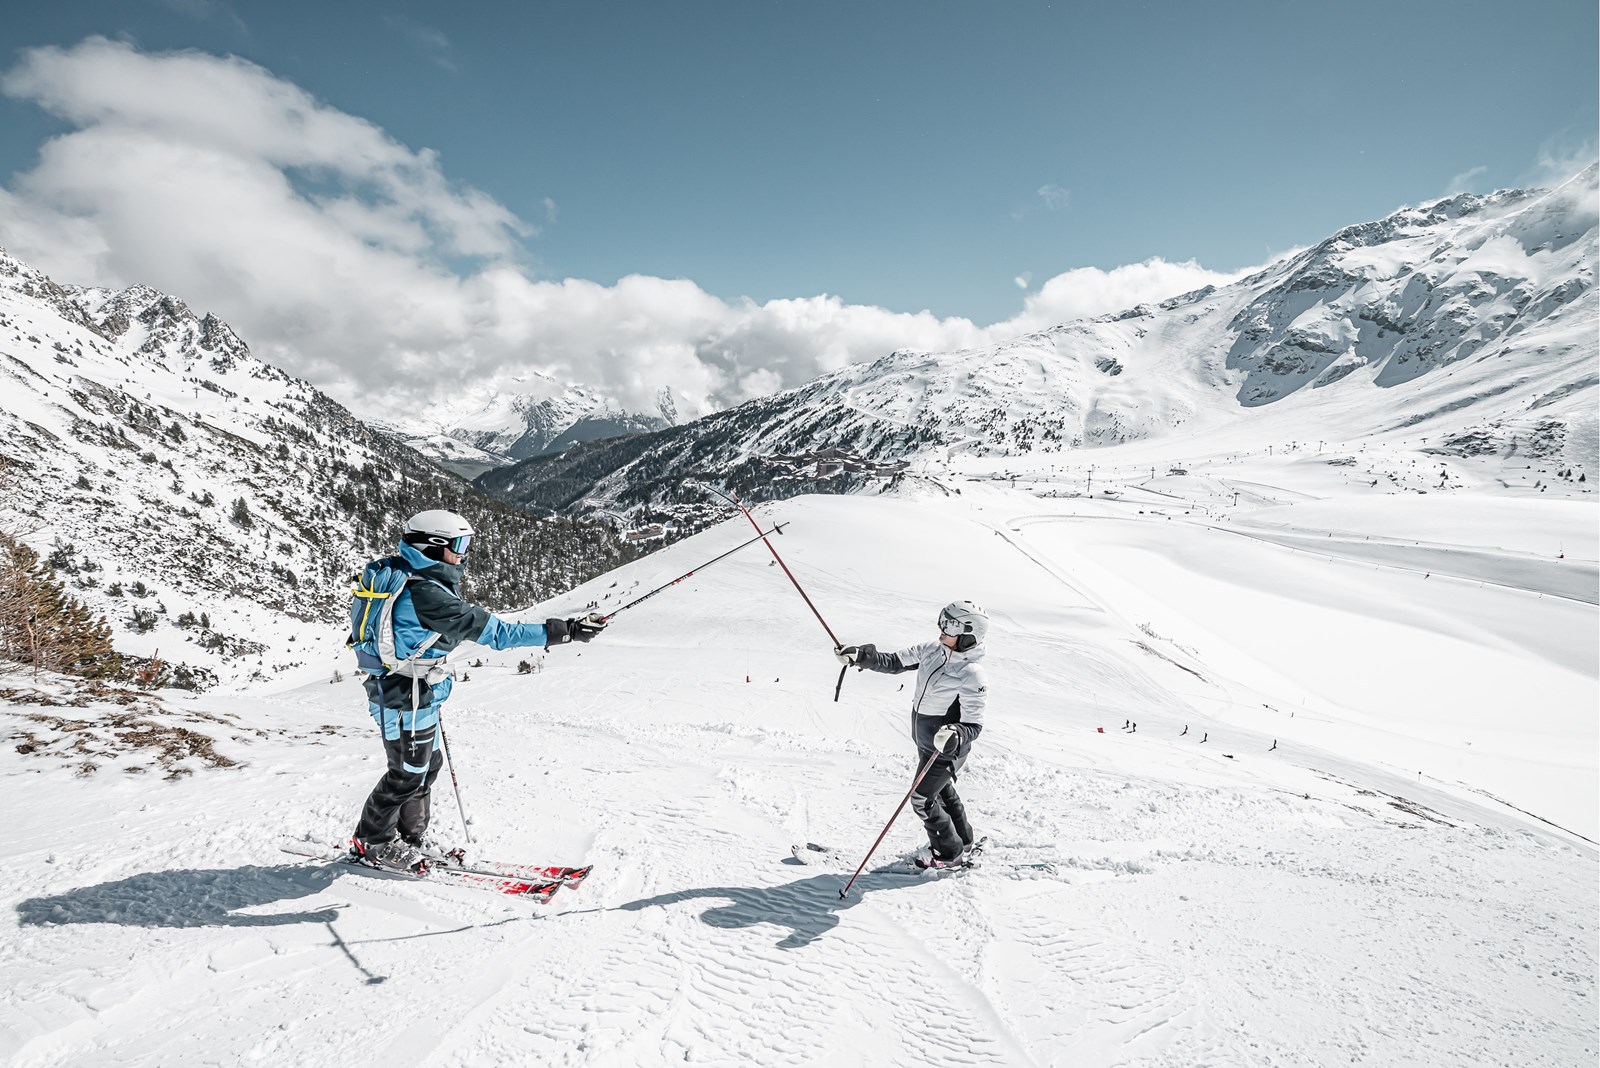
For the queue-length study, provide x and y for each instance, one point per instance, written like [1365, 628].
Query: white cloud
[1089, 291]
[430, 42]
[207, 11]
[1560, 159]
[325, 242]
[1462, 183]
[1053, 196]
[1023, 280]
[322, 240]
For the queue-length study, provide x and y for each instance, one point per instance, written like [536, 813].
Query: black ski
[818, 855]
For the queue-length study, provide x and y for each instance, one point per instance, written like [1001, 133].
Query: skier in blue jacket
[405, 705]
[947, 707]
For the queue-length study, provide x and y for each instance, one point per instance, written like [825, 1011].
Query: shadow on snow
[808, 907]
[187, 898]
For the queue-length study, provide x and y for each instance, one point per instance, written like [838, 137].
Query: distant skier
[405, 702]
[947, 709]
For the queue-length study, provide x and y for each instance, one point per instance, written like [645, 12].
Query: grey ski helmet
[436, 530]
[965, 622]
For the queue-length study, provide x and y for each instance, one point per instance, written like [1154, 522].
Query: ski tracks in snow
[674, 950]
[1223, 924]
[1187, 909]
[698, 944]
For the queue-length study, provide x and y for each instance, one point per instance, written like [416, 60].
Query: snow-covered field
[1407, 878]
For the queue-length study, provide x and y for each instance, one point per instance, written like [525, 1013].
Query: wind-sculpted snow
[1250, 800]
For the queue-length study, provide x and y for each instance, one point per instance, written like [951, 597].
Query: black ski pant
[400, 802]
[937, 804]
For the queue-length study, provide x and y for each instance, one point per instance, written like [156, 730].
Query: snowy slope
[133, 431]
[1472, 321]
[1406, 879]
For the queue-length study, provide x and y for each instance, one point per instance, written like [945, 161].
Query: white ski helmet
[965, 622]
[438, 529]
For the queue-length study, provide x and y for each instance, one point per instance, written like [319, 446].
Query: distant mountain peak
[514, 418]
[171, 477]
[1471, 311]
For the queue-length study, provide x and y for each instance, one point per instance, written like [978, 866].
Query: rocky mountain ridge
[494, 423]
[196, 495]
[1473, 317]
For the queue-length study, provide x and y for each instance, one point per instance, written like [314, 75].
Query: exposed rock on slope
[167, 473]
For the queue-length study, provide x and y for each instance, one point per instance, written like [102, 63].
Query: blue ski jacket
[431, 603]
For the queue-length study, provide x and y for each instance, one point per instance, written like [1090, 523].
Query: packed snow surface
[1355, 822]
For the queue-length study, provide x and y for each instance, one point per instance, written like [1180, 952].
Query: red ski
[540, 890]
[566, 876]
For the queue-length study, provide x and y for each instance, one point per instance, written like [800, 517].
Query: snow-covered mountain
[1471, 320]
[1348, 815]
[207, 502]
[481, 425]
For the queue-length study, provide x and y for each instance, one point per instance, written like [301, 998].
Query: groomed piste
[1308, 779]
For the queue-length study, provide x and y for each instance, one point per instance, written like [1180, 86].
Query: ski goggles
[952, 626]
[456, 545]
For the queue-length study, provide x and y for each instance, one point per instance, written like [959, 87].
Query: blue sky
[938, 156]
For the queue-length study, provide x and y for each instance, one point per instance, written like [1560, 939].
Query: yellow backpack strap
[366, 612]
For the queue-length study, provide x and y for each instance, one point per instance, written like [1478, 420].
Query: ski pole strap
[915, 783]
[840, 684]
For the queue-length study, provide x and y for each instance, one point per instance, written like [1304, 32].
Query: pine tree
[42, 625]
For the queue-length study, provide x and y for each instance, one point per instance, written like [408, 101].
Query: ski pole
[444, 748]
[776, 528]
[915, 783]
[837, 644]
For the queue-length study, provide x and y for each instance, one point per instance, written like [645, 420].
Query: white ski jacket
[947, 681]
[951, 688]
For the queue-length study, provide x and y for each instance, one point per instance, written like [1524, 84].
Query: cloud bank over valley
[355, 261]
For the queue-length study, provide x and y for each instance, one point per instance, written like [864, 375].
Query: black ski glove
[947, 739]
[850, 655]
[582, 630]
[562, 631]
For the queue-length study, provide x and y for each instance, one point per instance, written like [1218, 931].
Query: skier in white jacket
[947, 708]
